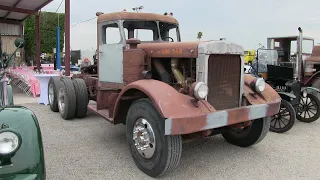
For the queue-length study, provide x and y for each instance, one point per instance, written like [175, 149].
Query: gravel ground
[92, 148]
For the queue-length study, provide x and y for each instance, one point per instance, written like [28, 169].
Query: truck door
[111, 43]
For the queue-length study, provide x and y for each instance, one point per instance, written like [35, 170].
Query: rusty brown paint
[133, 65]
[136, 16]
[188, 124]
[192, 124]
[269, 94]
[167, 100]
[171, 49]
[233, 116]
[315, 56]
[111, 102]
[110, 85]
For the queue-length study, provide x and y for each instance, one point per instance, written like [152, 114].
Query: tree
[199, 36]
[48, 24]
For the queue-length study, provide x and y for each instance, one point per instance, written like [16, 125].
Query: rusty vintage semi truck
[165, 90]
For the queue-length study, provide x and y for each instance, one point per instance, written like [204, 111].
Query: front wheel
[284, 120]
[154, 153]
[308, 109]
[250, 135]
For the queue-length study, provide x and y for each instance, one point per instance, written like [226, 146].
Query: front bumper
[187, 125]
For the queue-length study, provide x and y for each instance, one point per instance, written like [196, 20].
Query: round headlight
[9, 142]
[304, 93]
[200, 91]
[260, 85]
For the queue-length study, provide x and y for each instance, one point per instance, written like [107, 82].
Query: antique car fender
[286, 96]
[310, 89]
[28, 160]
[167, 100]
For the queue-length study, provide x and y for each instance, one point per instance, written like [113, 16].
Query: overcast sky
[246, 22]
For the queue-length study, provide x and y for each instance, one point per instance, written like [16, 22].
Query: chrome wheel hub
[51, 94]
[61, 100]
[143, 138]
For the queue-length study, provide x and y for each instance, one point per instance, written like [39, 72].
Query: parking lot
[92, 148]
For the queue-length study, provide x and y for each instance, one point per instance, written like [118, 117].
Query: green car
[21, 149]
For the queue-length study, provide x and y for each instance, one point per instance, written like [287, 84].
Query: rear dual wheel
[72, 98]
[53, 90]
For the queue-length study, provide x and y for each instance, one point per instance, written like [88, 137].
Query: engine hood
[171, 49]
[190, 49]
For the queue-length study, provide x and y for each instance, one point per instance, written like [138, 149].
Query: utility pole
[137, 9]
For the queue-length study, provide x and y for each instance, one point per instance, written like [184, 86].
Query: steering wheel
[169, 38]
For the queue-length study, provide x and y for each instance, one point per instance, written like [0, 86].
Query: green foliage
[199, 36]
[48, 26]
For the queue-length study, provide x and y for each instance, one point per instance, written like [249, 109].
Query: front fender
[167, 100]
[310, 89]
[269, 95]
[287, 96]
[29, 159]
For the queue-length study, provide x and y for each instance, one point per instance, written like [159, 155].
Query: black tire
[54, 82]
[250, 135]
[167, 149]
[69, 99]
[284, 120]
[81, 97]
[314, 106]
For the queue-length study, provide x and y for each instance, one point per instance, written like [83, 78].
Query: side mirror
[19, 43]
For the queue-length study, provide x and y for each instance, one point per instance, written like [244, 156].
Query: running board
[103, 112]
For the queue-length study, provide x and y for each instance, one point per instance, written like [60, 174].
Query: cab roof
[136, 16]
[291, 38]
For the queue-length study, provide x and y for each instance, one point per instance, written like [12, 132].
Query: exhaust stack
[299, 55]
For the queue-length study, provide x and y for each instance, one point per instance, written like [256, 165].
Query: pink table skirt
[25, 74]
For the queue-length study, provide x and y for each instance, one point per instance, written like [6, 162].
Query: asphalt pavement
[92, 148]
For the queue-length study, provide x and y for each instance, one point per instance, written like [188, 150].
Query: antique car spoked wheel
[51, 93]
[308, 109]
[61, 103]
[143, 137]
[284, 120]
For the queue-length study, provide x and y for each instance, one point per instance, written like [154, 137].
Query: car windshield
[307, 46]
[147, 31]
[265, 57]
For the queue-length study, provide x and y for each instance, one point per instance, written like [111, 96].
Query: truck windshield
[143, 30]
[169, 32]
[147, 31]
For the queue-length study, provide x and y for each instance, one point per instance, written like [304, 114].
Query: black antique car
[284, 75]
